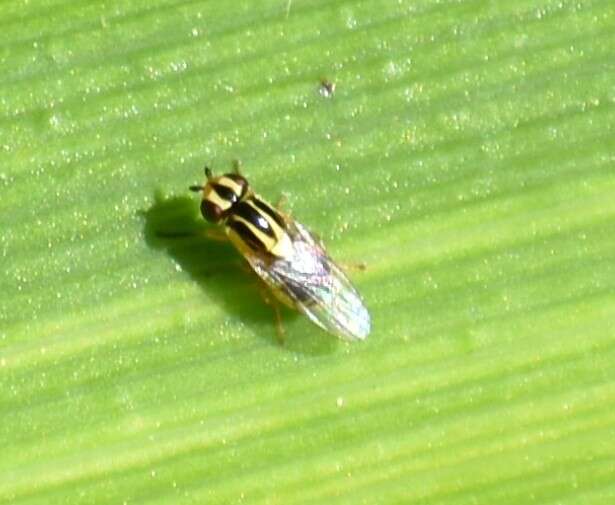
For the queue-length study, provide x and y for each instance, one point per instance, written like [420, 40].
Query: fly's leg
[211, 233]
[281, 202]
[280, 205]
[279, 326]
[355, 267]
[216, 234]
[270, 300]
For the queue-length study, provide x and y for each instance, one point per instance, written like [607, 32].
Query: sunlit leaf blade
[466, 156]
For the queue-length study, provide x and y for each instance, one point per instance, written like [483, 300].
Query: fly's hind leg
[270, 300]
[355, 267]
[279, 326]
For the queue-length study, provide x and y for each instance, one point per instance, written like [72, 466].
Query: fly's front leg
[211, 233]
[216, 234]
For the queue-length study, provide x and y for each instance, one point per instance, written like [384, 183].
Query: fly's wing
[317, 287]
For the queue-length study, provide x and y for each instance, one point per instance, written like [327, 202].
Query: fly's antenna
[197, 188]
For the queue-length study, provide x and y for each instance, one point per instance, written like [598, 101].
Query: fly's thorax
[255, 227]
[221, 194]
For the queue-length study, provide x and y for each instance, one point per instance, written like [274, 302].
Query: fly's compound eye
[211, 212]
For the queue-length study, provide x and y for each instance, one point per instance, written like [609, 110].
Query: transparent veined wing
[316, 286]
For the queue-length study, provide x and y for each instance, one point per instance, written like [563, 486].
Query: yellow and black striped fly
[285, 255]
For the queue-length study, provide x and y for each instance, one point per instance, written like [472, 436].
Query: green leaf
[466, 156]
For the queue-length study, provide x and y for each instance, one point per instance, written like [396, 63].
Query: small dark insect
[327, 88]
